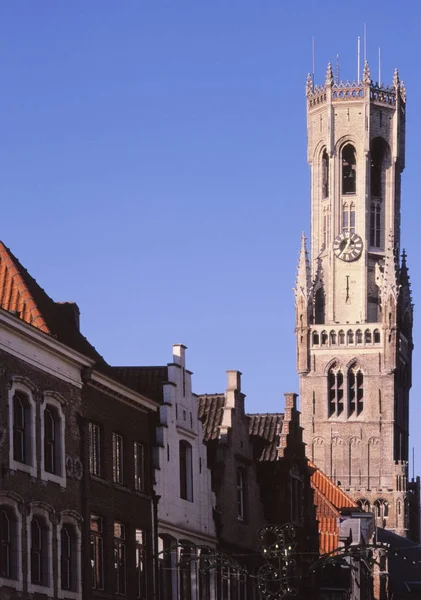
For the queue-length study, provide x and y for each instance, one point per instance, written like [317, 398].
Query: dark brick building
[76, 495]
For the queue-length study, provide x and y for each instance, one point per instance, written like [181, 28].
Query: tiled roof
[330, 500]
[330, 490]
[147, 381]
[21, 295]
[268, 427]
[211, 409]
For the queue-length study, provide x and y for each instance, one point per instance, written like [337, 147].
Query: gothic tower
[353, 301]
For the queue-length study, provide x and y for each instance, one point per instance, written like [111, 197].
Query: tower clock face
[348, 246]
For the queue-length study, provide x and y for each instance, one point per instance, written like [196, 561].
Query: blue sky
[153, 169]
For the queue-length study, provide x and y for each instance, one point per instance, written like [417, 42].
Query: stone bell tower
[353, 302]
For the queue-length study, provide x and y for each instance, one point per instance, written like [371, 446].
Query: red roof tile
[21, 295]
[268, 427]
[210, 412]
[332, 492]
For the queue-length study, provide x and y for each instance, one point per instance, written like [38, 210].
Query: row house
[186, 535]
[77, 507]
[261, 481]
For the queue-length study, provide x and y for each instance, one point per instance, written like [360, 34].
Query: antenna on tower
[413, 463]
[313, 58]
[365, 43]
[380, 69]
[358, 59]
[337, 69]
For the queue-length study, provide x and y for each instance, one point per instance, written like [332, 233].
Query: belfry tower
[353, 301]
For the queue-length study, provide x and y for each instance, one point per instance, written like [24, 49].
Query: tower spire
[366, 73]
[329, 75]
[303, 285]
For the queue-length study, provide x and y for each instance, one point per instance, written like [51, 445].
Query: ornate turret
[303, 305]
[366, 74]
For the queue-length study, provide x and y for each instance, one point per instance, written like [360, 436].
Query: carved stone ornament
[69, 466]
[78, 469]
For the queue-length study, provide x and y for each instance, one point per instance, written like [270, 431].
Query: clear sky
[153, 169]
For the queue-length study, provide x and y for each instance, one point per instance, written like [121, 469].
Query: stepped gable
[21, 295]
[148, 381]
[211, 411]
[267, 427]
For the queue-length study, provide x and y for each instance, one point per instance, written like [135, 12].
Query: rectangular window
[120, 558]
[97, 552]
[6, 546]
[240, 494]
[117, 458]
[186, 471]
[141, 578]
[95, 449]
[139, 467]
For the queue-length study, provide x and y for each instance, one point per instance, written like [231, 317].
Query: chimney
[179, 354]
[234, 381]
[71, 312]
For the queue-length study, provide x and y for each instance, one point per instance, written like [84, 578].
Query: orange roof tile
[22, 295]
[330, 500]
[14, 293]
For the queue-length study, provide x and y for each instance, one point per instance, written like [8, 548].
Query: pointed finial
[396, 79]
[366, 74]
[309, 85]
[303, 285]
[329, 75]
[403, 91]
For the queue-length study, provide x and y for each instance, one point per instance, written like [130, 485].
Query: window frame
[120, 550]
[16, 579]
[118, 458]
[352, 166]
[75, 523]
[46, 586]
[95, 443]
[186, 470]
[56, 402]
[141, 564]
[24, 387]
[139, 466]
[96, 542]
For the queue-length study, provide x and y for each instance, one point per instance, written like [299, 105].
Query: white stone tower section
[353, 303]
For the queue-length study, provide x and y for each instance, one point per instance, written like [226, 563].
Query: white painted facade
[180, 520]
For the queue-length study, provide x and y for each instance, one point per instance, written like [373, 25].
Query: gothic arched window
[376, 336]
[335, 391]
[316, 339]
[319, 307]
[341, 337]
[333, 338]
[359, 336]
[375, 224]
[355, 391]
[349, 171]
[325, 174]
[377, 156]
[350, 336]
[367, 336]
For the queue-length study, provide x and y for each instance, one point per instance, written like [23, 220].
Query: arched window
[185, 571]
[8, 543]
[376, 336]
[355, 391]
[335, 391]
[325, 174]
[377, 156]
[359, 336]
[316, 339]
[349, 174]
[325, 338]
[348, 217]
[367, 336]
[333, 338]
[375, 225]
[39, 552]
[186, 471]
[350, 336]
[22, 428]
[240, 494]
[341, 337]
[69, 558]
[364, 504]
[381, 512]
